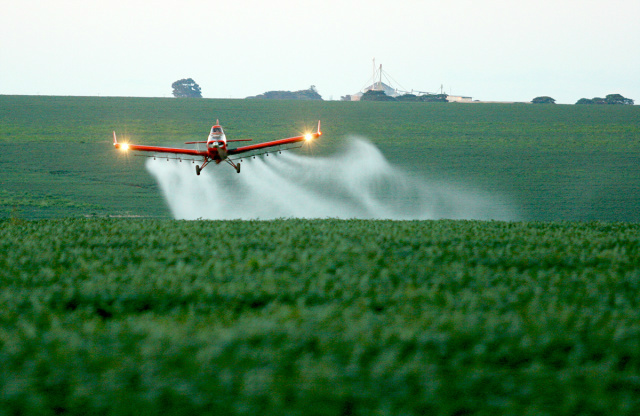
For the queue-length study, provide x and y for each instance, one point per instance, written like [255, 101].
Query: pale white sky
[490, 50]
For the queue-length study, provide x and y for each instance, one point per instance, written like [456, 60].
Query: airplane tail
[319, 132]
[115, 140]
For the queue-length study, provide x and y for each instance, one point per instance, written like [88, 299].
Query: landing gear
[235, 166]
[200, 168]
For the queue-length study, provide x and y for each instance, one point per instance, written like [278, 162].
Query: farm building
[459, 99]
[376, 84]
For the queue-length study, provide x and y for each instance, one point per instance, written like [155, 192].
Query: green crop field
[554, 162]
[319, 317]
[106, 315]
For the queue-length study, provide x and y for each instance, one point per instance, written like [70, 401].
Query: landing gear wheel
[238, 167]
[198, 170]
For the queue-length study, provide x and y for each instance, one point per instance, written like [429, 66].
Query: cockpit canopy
[216, 138]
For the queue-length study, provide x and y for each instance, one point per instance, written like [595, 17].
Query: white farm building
[376, 84]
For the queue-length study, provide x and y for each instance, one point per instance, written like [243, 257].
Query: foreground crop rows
[325, 317]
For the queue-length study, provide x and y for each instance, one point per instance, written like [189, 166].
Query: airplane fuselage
[217, 144]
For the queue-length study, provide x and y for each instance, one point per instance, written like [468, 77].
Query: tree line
[188, 88]
[615, 99]
[609, 99]
[309, 94]
[373, 95]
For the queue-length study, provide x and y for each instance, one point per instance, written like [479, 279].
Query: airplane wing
[307, 137]
[128, 146]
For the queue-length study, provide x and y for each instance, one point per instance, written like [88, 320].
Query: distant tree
[543, 100]
[374, 95]
[186, 88]
[598, 100]
[434, 98]
[618, 99]
[585, 101]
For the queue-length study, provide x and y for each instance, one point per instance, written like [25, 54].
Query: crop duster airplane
[217, 150]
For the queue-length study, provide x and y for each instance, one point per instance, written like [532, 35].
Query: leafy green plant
[318, 317]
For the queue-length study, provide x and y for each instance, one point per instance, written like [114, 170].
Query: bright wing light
[124, 146]
[308, 137]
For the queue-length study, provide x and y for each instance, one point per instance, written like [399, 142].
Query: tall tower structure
[376, 78]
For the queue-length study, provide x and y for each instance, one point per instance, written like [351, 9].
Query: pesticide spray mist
[357, 183]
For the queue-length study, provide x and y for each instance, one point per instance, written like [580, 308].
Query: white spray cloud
[356, 183]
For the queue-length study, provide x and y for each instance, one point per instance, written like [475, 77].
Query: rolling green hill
[555, 162]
